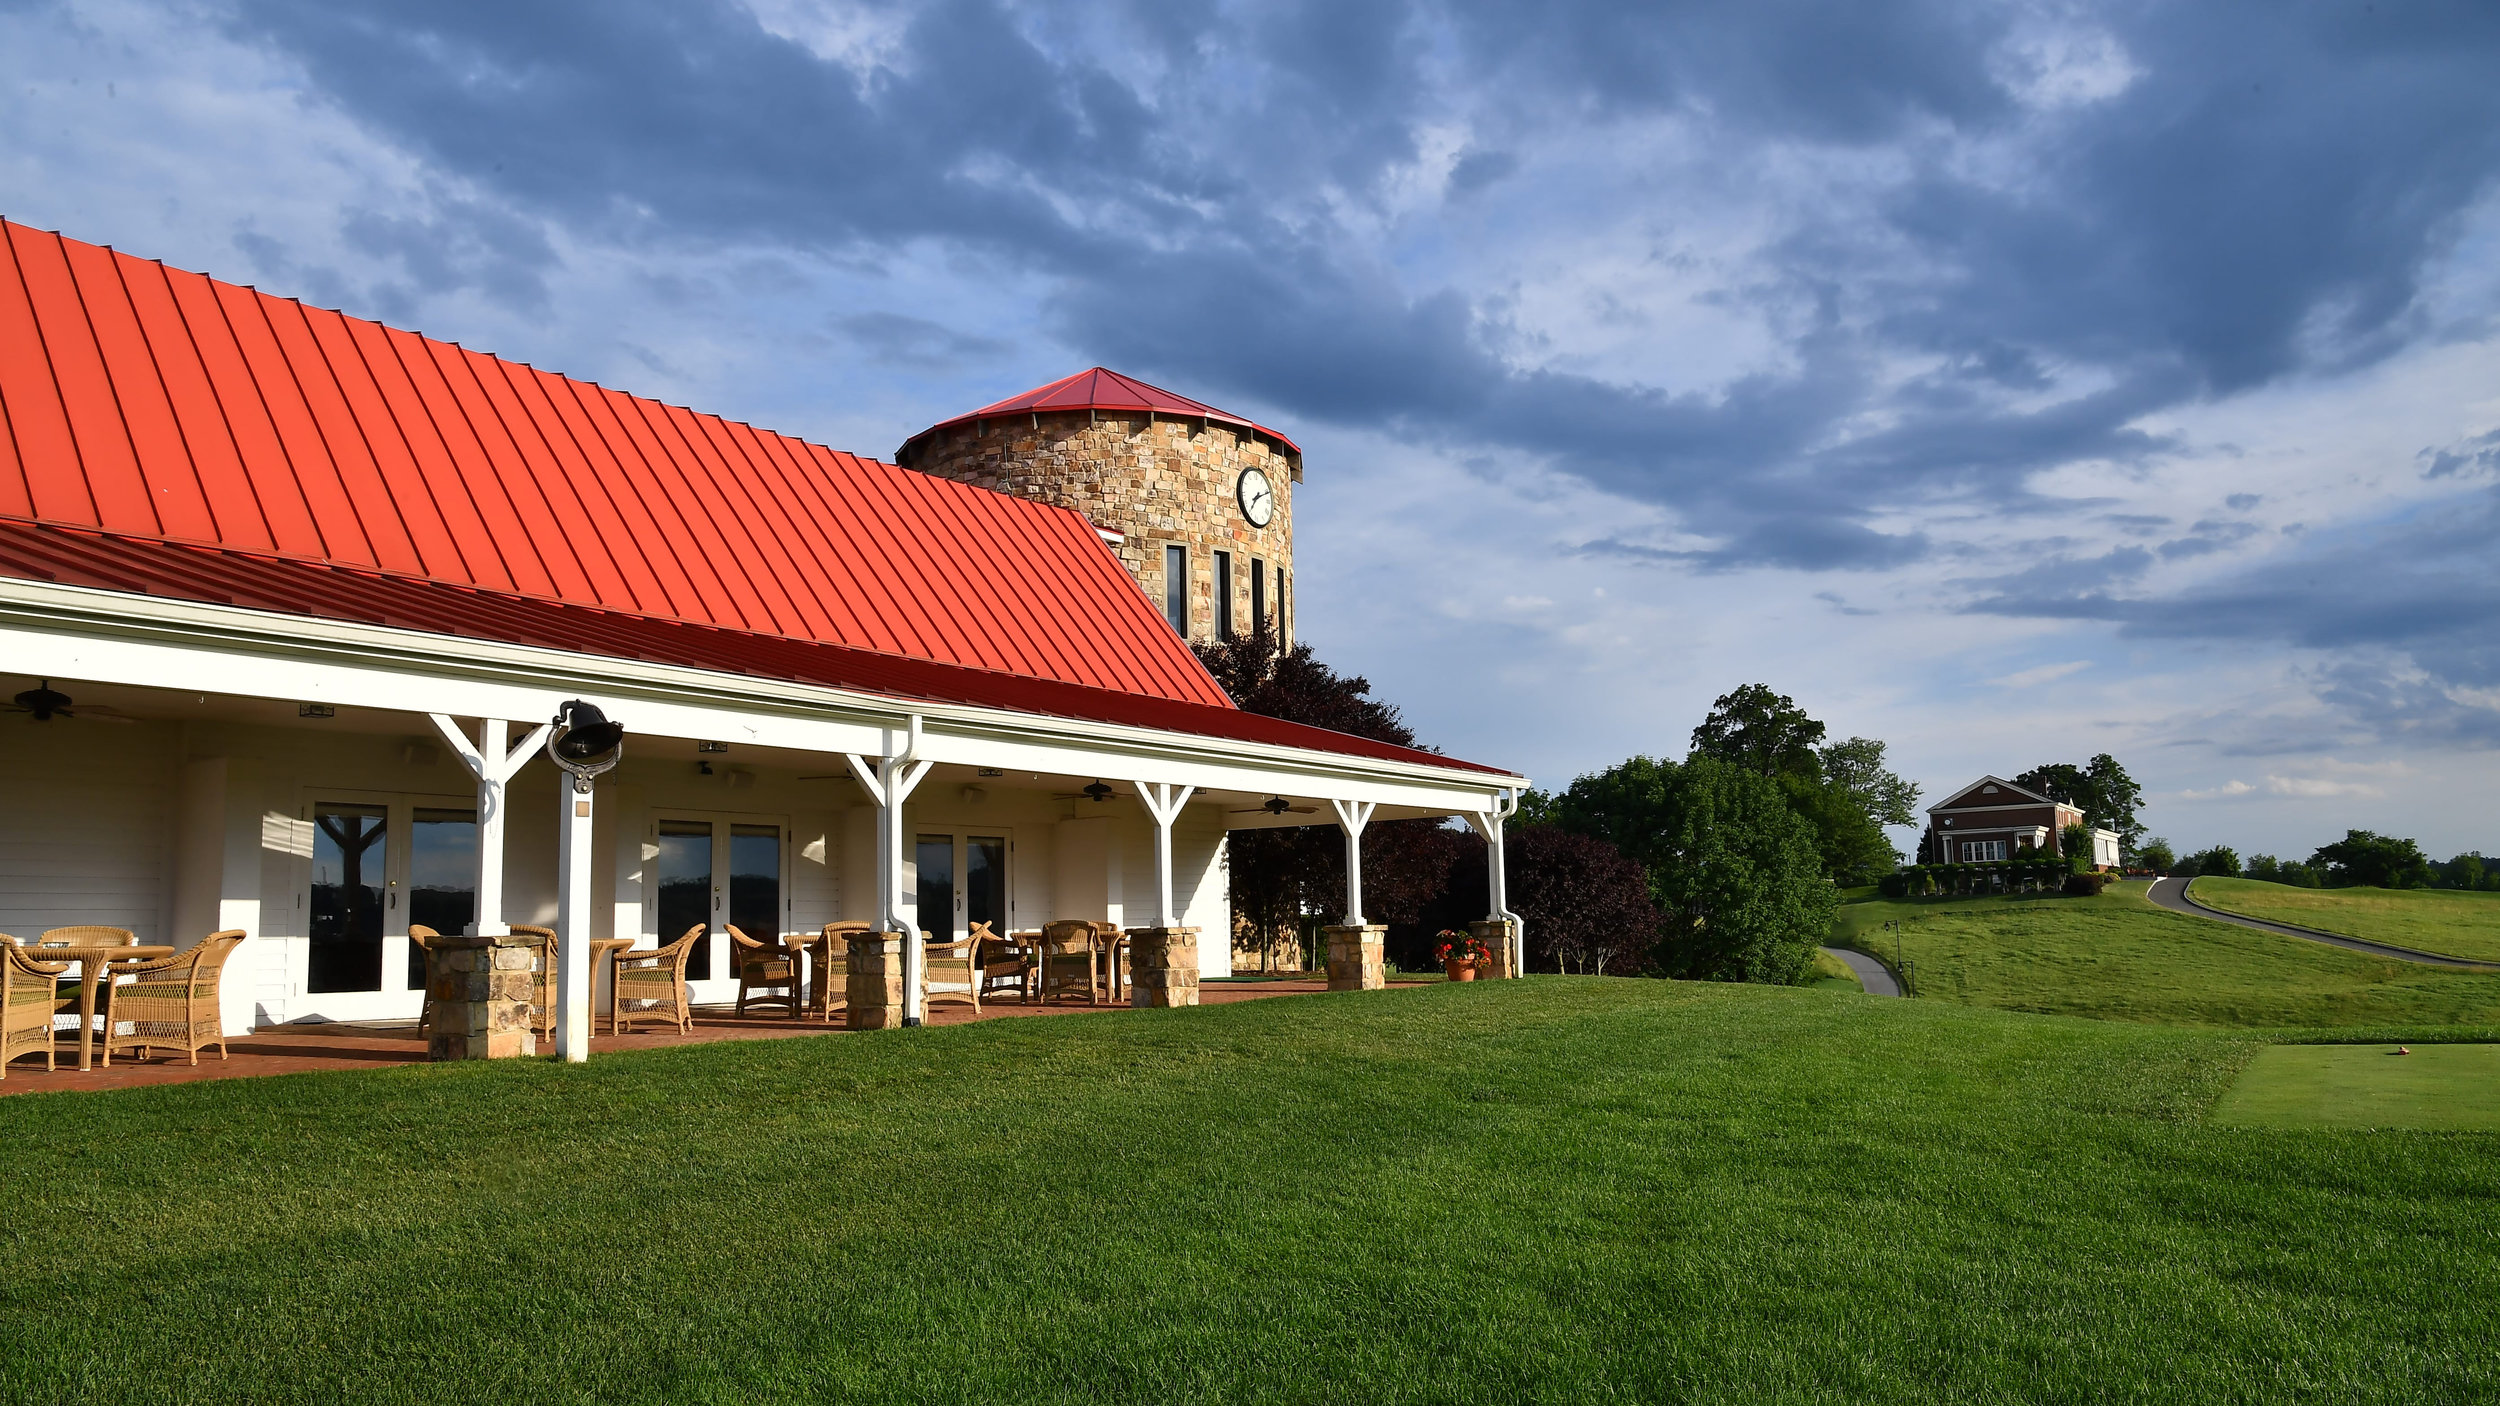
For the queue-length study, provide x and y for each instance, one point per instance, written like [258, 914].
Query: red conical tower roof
[1099, 388]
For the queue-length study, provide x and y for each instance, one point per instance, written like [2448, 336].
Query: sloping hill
[2117, 957]
[2451, 922]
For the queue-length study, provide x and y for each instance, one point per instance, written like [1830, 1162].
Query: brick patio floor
[296, 1049]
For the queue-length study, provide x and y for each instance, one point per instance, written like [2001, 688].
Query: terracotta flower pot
[1459, 969]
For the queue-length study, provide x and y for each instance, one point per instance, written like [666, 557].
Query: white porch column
[1164, 801]
[1352, 816]
[1490, 824]
[573, 867]
[890, 783]
[493, 764]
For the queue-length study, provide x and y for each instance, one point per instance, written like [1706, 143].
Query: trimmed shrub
[2087, 883]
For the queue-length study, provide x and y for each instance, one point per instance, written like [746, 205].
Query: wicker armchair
[171, 1003]
[1006, 965]
[830, 951]
[767, 973]
[950, 964]
[91, 935]
[423, 937]
[1067, 959]
[657, 976]
[28, 999]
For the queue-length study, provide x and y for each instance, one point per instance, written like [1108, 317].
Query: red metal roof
[1099, 389]
[166, 434]
[290, 585]
[150, 402]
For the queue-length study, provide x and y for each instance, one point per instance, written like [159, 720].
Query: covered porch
[322, 786]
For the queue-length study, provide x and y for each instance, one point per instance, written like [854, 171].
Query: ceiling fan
[1097, 792]
[44, 703]
[1277, 805]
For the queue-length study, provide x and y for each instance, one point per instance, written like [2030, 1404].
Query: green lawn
[2451, 922]
[1561, 1189]
[2368, 1086]
[2118, 957]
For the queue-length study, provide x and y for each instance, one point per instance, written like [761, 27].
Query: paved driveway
[1871, 974]
[2173, 894]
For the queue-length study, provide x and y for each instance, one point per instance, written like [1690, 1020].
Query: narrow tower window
[1258, 593]
[1223, 595]
[1176, 588]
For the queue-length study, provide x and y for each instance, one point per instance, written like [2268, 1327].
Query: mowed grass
[1559, 1189]
[2451, 922]
[2368, 1086]
[2117, 957]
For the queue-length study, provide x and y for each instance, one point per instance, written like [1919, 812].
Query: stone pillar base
[874, 986]
[1357, 958]
[1494, 933]
[1162, 967]
[481, 995]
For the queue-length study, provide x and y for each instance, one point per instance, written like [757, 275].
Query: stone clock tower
[1196, 502]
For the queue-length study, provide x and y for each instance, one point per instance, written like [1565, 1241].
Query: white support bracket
[1352, 816]
[889, 781]
[493, 765]
[1164, 800]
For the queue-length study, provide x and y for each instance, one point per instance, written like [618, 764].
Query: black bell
[588, 735]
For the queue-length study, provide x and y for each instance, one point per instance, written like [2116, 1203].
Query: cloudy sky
[2010, 382]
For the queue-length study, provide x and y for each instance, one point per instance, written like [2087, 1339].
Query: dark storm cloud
[2260, 200]
[2408, 613]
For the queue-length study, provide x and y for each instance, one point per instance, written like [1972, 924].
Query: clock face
[1258, 498]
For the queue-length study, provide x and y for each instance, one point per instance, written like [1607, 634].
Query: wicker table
[93, 962]
[607, 947]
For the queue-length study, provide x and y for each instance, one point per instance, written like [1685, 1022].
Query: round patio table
[93, 963]
[607, 947]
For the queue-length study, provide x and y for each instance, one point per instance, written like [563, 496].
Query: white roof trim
[1947, 802]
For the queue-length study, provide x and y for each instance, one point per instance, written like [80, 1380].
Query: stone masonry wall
[1159, 482]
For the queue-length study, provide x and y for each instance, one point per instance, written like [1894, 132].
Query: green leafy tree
[1856, 766]
[1852, 848]
[2220, 862]
[1841, 789]
[2365, 859]
[1764, 732]
[2101, 789]
[1734, 869]
[2074, 844]
[2467, 871]
[1279, 877]
[2155, 854]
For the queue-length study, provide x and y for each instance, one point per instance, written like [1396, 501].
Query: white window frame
[1994, 851]
[395, 1001]
[720, 984]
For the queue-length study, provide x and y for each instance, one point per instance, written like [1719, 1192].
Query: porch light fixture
[1098, 793]
[711, 746]
[584, 742]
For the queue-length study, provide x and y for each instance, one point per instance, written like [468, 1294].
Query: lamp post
[584, 743]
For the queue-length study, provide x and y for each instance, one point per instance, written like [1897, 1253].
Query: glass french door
[959, 880]
[377, 864]
[716, 871]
